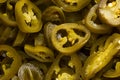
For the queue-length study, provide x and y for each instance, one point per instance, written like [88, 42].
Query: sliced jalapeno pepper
[10, 62]
[101, 58]
[91, 19]
[71, 5]
[109, 12]
[39, 40]
[113, 73]
[48, 27]
[69, 37]
[98, 44]
[40, 53]
[28, 16]
[2, 1]
[53, 14]
[7, 13]
[28, 71]
[19, 38]
[65, 67]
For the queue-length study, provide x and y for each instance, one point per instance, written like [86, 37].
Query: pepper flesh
[73, 37]
[97, 61]
[40, 53]
[113, 73]
[70, 70]
[71, 5]
[28, 16]
[109, 13]
[17, 61]
[98, 28]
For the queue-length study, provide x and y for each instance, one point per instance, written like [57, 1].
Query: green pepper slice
[48, 27]
[19, 38]
[65, 67]
[28, 16]
[3, 1]
[29, 71]
[40, 53]
[109, 12]
[10, 63]
[113, 73]
[71, 5]
[53, 14]
[69, 37]
[91, 22]
[7, 13]
[98, 44]
[102, 57]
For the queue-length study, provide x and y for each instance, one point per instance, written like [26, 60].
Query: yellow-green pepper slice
[40, 53]
[101, 58]
[19, 38]
[69, 37]
[109, 12]
[113, 73]
[53, 14]
[71, 5]
[3, 1]
[91, 22]
[65, 67]
[28, 16]
[10, 63]
[48, 27]
[29, 71]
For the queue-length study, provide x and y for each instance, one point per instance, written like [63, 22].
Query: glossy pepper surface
[10, 63]
[28, 16]
[69, 37]
[101, 58]
[71, 5]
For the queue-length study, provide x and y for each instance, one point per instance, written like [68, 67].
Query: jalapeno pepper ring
[69, 37]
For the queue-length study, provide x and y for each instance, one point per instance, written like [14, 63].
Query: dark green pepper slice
[69, 37]
[109, 12]
[28, 16]
[10, 63]
[71, 5]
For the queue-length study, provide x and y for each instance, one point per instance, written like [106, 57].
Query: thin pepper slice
[53, 14]
[40, 53]
[19, 38]
[98, 44]
[65, 67]
[69, 37]
[91, 22]
[28, 16]
[101, 58]
[11, 53]
[109, 12]
[71, 5]
[113, 73]
[29, 71]
[4, 18]
[48, 27]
